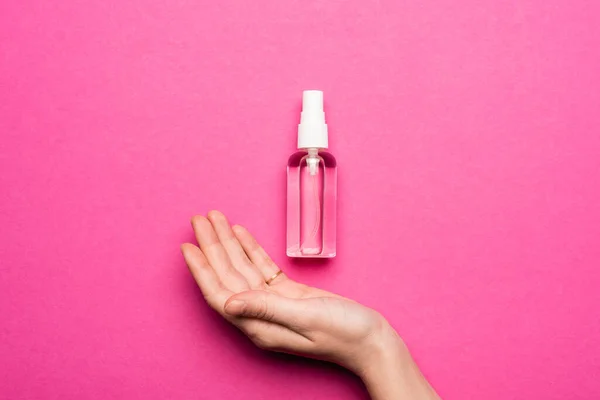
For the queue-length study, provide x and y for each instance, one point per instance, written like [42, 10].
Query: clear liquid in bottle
[311, 207]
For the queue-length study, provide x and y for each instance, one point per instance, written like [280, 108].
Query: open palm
[232, 270]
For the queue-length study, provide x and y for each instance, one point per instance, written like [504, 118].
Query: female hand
[241, 282]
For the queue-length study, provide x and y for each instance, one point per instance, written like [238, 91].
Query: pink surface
[468, 145]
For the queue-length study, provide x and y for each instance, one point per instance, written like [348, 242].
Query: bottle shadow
[311, 263]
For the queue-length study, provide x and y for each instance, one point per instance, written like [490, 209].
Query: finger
[274, 337]
[294, 314]
[234, 250]
[217, 256]
[258, 255]
[213, 290]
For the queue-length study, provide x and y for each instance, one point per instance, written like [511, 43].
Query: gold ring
[271, 279]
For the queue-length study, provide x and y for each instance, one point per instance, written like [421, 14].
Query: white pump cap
[312, 131]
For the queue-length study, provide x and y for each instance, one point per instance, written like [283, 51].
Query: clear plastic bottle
[311, 186]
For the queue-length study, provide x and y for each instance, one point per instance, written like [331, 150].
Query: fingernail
[214, 214]
[182, 248]
[235, 307]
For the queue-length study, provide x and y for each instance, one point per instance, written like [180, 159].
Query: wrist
[384, 350]
[389, 372]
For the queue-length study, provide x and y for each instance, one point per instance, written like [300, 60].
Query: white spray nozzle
[312, 131]
[312, 100]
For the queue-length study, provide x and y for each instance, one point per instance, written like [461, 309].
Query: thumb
[270, 307]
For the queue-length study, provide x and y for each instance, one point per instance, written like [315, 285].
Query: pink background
[468, 140]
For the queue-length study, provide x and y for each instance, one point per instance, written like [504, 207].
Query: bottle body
[311, 204]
